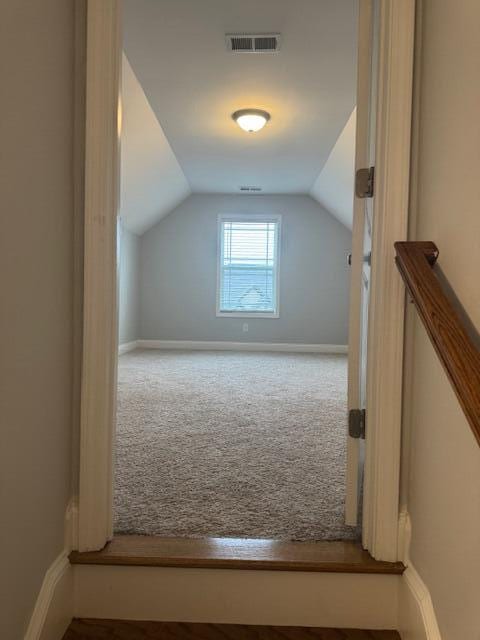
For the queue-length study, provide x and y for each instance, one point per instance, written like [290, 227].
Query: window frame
[243, 217]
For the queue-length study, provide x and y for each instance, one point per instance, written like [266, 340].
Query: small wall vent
[253, 42]
[250, 189]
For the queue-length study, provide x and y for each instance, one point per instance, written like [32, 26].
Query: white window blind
[248, 266]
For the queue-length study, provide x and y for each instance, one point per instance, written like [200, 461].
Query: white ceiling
[177, 51]
[152, 182]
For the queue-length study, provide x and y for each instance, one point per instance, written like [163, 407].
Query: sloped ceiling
[333, 188]
[152, 181]
[177, 51]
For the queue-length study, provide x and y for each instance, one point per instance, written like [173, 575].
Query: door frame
[387, 296]
[387, 301]
[100, 324]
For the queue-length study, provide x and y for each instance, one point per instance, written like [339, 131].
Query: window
[248, 266]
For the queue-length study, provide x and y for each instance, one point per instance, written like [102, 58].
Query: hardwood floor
[237, 553]
[87, 629]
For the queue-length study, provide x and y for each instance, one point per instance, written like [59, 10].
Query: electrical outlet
[245, 327]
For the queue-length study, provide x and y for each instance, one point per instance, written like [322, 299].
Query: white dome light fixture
[251, 120]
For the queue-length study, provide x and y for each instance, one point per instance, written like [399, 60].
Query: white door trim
[100, 342]
[387, 297]
[385, 339]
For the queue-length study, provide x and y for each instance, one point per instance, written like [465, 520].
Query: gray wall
[129, 287]
[444, 479]
[36, 272]
[179, 266]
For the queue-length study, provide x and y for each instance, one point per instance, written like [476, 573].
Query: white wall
[129, 287]
[444, 479]
[179, 267]
[36, 273]
[334, 187]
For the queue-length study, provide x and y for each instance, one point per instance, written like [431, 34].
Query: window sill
[246, 314]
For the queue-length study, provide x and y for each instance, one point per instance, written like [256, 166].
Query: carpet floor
[231, 444]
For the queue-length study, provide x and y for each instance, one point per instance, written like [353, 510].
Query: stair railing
[453, 336]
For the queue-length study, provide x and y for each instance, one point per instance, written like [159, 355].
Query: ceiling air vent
[253, 42]
[250, 189]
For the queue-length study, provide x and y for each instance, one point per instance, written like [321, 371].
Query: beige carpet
[231, 444]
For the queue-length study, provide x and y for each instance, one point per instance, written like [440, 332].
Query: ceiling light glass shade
[251, 120]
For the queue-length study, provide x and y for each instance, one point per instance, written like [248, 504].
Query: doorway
[234, 283]
[93, 498]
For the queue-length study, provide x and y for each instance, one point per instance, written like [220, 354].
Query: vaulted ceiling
[152, 182]
[193, 84]
[334, 186]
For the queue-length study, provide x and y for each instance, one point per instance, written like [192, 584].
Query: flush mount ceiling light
[251, 120]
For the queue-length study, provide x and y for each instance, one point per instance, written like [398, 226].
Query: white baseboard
[127, 346]
[236, 596]
[53, 609]
[417, 619]
[417, 615]
[221, 345]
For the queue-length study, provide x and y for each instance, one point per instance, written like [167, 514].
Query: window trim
[244, 217]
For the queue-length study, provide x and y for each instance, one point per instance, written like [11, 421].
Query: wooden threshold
[237, 553]
[91, 629]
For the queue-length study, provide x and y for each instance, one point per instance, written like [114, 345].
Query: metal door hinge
[356, 423]
[364, 180]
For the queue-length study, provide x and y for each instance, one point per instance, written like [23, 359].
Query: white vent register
[253, 42]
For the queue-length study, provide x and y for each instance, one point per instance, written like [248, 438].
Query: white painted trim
[248, 314]
[53, 608]
[201, 345]
[126, 347]
[236, 596]
[417, 619]
[387, 298]
[100, 273]
[249, 217]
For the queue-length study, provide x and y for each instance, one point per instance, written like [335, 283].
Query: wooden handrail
[450, 332]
